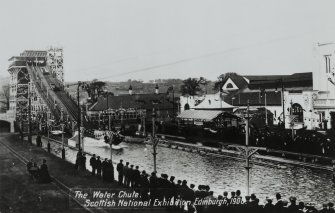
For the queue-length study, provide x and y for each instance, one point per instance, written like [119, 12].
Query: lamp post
[82, 129]
[247, 166]
[154, 140]
[79, 115]
[109, 115]
[107, 94]
[282, 98]
[292, 120]
[48, 129]
[63, 150]
[29, 115]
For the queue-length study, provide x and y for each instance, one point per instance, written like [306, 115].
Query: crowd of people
[39, 174]
[303, 141]
[201, 198]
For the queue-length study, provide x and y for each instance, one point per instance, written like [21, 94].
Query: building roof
[34, 53]
[275, 81]
[135, 101]
[239, 81]
[204, 115]
[213, 101]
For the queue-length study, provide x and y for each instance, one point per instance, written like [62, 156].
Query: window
[186, 107]
[298, 111]
[229, 86]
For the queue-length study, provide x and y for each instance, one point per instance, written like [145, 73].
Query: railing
[55, 109]
[324, 103]
[17, 63]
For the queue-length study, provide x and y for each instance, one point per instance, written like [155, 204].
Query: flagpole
[153, 139]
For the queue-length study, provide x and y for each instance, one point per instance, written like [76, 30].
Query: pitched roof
[213, 101]
[273, 81]
[239, 81]
[206, 115]
[34, 53]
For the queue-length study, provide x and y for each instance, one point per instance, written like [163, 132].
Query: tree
[94, 89]
[204, 82]
[190, 86]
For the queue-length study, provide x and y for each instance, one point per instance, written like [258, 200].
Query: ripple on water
[224, 174]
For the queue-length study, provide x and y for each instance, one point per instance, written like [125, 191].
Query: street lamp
[154, 140]
[292, 119]
[29, 114]
[247, 166]
[282, 99]
[79, 114]
[48, 129]
[106, 94]
[82, 129]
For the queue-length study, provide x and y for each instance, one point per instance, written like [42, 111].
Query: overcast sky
[150, 39]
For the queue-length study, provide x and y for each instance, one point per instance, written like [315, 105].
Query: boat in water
[98, 141]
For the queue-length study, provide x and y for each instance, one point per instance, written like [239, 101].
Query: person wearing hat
[126, 174]
[98, 166]
[253, 202]
[104, 166]
[279, 204]
[83, 162]
[110, 171]
[144, 186]
[269, 207]
[153, 186]
[238, 197]
[293, 207]
[137, 177]
[131, 176]
[93, 164]
[119, 169]
[172, 187]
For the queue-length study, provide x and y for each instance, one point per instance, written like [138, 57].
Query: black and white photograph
[189, 106]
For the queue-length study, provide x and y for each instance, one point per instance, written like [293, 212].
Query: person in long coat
[110, 171]
[98, 164]
[144, 185]
[137, 177]
[153, 186]
[126, 175]
[93, 163]
[131, 175]
[104, 169]
[44, 176]
[119, 168]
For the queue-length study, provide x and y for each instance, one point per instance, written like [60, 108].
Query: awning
[204, 115]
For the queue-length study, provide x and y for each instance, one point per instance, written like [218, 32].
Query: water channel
[222, 174]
